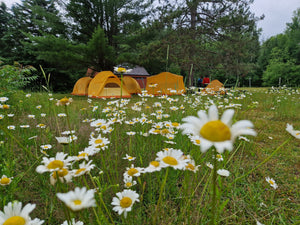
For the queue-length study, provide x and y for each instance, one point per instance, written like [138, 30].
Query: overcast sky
[277, 14]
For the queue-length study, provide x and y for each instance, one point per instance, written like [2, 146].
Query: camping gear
[132, 85]
[106, 85]
[214, 87]
[165, 83]
[81, 86]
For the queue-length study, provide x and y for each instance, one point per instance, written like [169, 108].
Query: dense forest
[192, 38]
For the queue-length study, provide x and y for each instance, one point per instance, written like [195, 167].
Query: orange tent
[214, 87]
[132, 85]
[165, 83]
[81, 86]
[106, 85]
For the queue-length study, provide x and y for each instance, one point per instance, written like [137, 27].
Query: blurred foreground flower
[78, 199]
[124, 201]
[64, 101]
[290, 129]
[214, 132]
[14, 215]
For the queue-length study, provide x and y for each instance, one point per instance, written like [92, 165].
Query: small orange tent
[214, 87]
[165, 83]
[132, 85]
[106, 85]
[81, 86]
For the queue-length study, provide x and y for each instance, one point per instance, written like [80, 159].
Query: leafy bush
[16, 76]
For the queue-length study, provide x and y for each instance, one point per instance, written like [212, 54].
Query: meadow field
[132, 161]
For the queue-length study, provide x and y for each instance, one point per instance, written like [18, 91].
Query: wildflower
[43, 114]
[84, 168]
[10, 115]
[153, 166]
[3, 99]
[128, 182]
[4, 106]
[67, 132]
[130, 133]
[120, 70]
[64, 101]
[28, 95]
[46, 147]
[1, 116]
[215, 132]
[38, 107]
[13, 214]
[129, 158]
[41, 125]
[99, 142]
[11, 127]
[63, 140]
[290, 129]
[209, 165]
[271, 181]
[61, 115]
[53, 164]
[4, 181]
[172, 158]
[31, 116]
[191, 166]
[124, 201]
[133, 171]
[223, 172]
[98, 123]
[73, 222]
[78, 199]
[219, 157]
[64, 175]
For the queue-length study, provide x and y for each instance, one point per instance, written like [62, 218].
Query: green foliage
[14, 77]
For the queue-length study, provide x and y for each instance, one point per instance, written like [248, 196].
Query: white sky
[277, 14]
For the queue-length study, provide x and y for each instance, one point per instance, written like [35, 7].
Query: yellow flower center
[128, 184]
[121, 70]
[98, 141]
[165, 131]
[132, 171]
[271, 182]
[125, 202]
[297, 134]
[5, 180]
[79, 171]
[175, 124]
[64, 101]
[219, 156]
[77, 202]
[154, 163]
[197, 141]
[103, 127]
[5, 106]
[170, 160]
[61, 173]
[215, 131]
[55, 164]
[15, 220]
[190, 166]
[130, 157]
[156, 131]
[84, 154]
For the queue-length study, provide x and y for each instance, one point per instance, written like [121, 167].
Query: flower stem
[214, 179]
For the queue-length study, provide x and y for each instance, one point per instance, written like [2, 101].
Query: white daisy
[124, 201]
[290, 129]
[172, 158]
[73, 222]
[223, 172]
[4, 181]
[133, 171]
[129, 158]
[46, 147]
[99, 142]
[272, 182]
[54, 164]
[78, 199]
[83, 168]
[14, 214]
[153, 166]
[215, 132]
[128, 182]
[64, 175]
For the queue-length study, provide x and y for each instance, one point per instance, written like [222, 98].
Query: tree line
[192, 38]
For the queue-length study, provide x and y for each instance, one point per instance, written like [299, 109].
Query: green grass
[186, 196]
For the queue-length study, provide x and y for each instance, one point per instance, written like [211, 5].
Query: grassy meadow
[132, 132]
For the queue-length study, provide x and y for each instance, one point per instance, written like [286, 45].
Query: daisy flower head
[191, 166]
[4, 181]
[172, 158]
[223, 172]
[46, 147]
[64, 101]
[64, 176]
[63, 140]
[290, 129]
[124, 201]
[129, 158]
[54, 164]
[99, 142]
[128, 182]
[15, 215]
[3, 99]
[84, 168]
[133, 171]
[78, 199]
[214, 131]
[272, 182]
[11, 127]
[153, 166]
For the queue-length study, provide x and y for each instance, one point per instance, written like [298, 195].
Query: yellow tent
[132, 85]
[214, 87]
[106, 85]
[165, 83]
[81, 86]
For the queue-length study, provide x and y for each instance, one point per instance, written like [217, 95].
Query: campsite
[147, 112]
